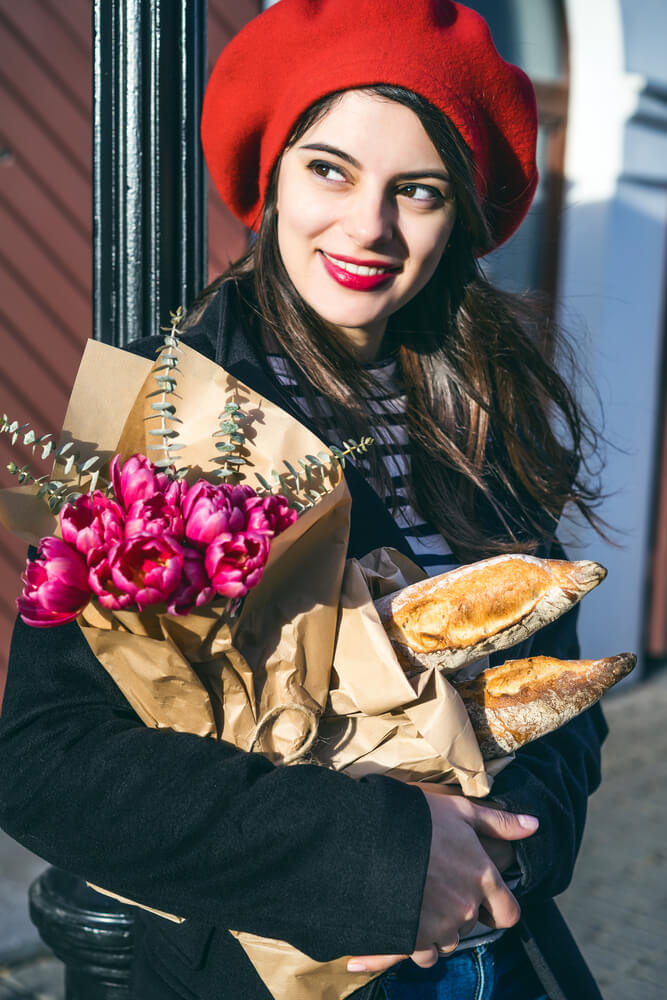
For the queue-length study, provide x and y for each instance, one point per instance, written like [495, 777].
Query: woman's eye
[326, 170]
[421, 193]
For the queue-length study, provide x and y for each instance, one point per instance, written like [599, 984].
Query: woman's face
[365, 210]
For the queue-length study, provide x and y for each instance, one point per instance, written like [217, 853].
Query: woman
[360, 305]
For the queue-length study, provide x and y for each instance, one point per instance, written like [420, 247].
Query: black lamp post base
[93, 935]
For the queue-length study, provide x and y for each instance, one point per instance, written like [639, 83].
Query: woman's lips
[357, 275]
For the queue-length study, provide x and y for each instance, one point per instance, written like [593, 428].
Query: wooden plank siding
[46, 222]
[45, 229]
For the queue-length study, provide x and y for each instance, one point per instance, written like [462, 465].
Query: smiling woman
[380, 150]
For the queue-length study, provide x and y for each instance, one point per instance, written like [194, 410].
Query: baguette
[520, 700]
[460, 616]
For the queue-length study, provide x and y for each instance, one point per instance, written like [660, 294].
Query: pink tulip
[91, 521]
[139, 479]
[101, 582]
[55, 585]
[146, 567]
[271, 516]
[195, 587]
[235, 562]
[210, 511]
[154, 516]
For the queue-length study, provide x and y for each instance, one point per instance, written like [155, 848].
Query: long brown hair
[484, 398]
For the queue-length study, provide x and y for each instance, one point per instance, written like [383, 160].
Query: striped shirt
[393, 446]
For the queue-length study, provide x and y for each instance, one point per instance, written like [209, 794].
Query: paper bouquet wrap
[307, 670]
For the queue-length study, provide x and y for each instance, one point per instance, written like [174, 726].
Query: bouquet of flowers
[156, 541]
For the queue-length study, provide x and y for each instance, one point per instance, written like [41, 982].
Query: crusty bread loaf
[514, 703]
[460, 616]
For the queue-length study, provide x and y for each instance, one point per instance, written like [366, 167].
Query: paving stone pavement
[616, 905]
[41, 978]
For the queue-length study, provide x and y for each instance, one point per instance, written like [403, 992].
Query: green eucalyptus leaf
[168, 366]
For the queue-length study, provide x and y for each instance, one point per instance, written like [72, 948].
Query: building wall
[613, 264]
[45, 229]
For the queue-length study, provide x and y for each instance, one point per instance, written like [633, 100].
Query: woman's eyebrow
[324, 147]
[414, 175]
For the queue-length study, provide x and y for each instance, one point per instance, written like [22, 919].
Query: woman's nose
[370, 218]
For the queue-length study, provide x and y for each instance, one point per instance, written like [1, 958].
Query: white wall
[613, 268]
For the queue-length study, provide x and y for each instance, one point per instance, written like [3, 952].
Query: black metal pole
[149, 257]
[149, 194]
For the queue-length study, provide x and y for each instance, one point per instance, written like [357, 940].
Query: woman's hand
[461, 878]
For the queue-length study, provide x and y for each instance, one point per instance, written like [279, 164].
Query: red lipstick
[352, 280]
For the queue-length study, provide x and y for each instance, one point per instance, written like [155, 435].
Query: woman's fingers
[373, 963]
[500, 908]
[461, 880]
[424, 958]
[461, 876]
[488, 822]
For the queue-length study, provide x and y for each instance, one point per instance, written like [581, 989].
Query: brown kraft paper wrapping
[245, 681]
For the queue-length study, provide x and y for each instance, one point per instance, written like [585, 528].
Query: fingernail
[528, 822]
[355, 965]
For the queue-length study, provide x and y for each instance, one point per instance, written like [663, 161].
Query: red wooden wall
[45, 221]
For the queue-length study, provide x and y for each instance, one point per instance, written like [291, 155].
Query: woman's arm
[196, 827]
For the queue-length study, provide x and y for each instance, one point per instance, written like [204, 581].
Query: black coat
[196, 827]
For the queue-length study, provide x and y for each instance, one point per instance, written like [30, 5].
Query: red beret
[300, 50]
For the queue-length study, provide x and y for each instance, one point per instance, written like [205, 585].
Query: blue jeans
[496, 971]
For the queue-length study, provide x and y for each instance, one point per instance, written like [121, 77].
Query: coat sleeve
[552, 778]
[196, 827]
